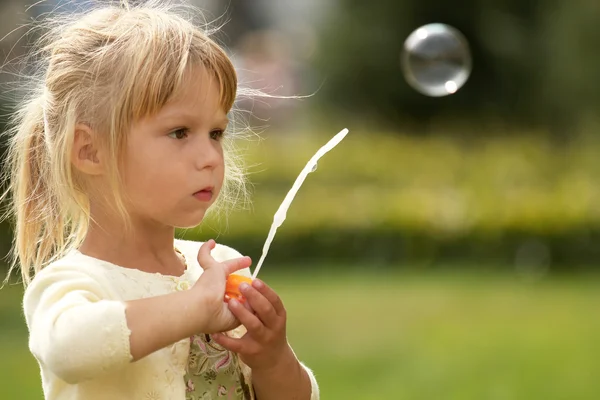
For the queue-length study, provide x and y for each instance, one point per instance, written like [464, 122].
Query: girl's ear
[86, 154]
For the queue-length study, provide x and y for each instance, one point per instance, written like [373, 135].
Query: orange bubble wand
[234, 280]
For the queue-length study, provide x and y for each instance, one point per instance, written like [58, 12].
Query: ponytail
[39, 227]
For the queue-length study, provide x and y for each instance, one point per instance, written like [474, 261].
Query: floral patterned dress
[212, 371]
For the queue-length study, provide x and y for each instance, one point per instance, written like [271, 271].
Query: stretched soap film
[281, 213]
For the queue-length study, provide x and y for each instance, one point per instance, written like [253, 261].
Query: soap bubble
[436, 60]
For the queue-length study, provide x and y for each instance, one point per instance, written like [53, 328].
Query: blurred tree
[533, 62]
[569, 37]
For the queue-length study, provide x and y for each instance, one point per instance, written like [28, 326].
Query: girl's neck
[147, 247]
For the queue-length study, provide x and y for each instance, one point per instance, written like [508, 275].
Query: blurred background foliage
[504, 200]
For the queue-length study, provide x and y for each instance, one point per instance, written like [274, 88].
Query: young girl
[122, 141]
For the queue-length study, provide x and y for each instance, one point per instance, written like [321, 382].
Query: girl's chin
[189, 219]
[189, 224]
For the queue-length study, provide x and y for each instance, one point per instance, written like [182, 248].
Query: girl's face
[173, 167]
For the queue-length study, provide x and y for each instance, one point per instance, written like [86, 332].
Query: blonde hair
[106, 68]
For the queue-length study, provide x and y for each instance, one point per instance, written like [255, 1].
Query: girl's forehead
[200, 93]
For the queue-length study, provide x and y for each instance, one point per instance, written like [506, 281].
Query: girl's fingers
[261, 305]
[270, 295]
[231, 344]
[236, 264]
[253, 324]
[248, 307]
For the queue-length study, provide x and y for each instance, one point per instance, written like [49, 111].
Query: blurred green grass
[439, 335]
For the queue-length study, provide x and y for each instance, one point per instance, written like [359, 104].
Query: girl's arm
[157, 322]
[73, 329]
[290, 380]
[78, 333]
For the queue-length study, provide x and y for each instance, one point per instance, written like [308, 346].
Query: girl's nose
[209, 153]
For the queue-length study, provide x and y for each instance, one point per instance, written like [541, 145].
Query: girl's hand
[208, 292]
[264, 346]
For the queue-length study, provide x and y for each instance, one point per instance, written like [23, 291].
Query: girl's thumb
[204, 258]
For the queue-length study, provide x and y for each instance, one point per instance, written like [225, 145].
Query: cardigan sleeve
[75, 330]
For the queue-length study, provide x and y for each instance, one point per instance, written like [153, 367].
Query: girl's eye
[217, 134]
[180, 133]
